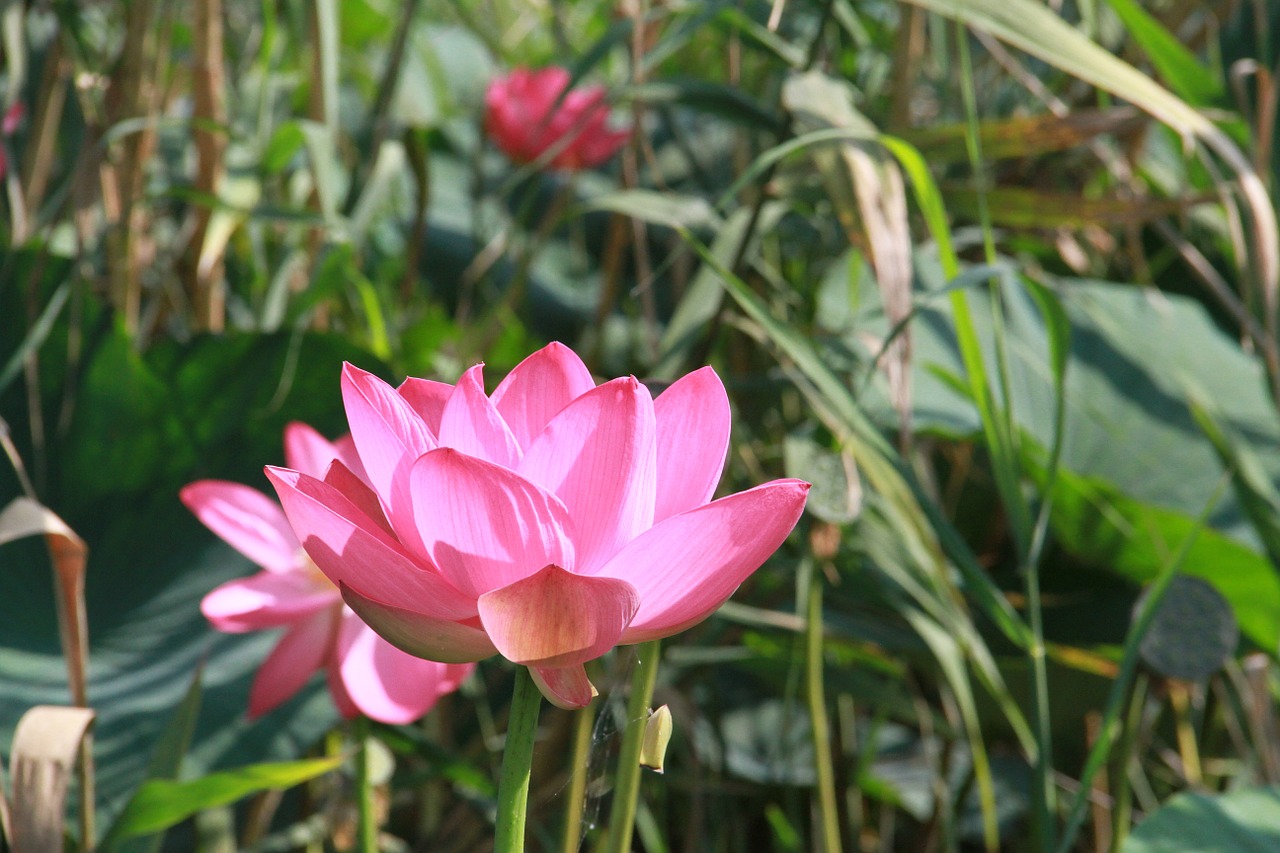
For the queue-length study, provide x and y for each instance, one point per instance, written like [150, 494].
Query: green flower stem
[366, 816]
[626, 788]
[517, 760]
[820, 726]
[575, 799]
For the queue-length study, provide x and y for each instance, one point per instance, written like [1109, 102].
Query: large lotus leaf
[142, 426]
[1237, 822]
[1131, 442]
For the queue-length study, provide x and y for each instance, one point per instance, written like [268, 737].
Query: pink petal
[428, 399]
[483, 525]
[386, 684]
[306, 450]
[247, 520]
[266, 600]
[598, 457]
[556, 618]
[301, 651]
[358, 492]
[473, 426]
[345, 447]
[565, 687]
[390, 437]
[422, 636]
[538, 388]
[692, 418]
[688, 565]
[338, 691]
[351, 549]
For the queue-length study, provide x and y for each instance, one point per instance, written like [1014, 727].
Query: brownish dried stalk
[42, 145]
[203, 266]
[131, 95]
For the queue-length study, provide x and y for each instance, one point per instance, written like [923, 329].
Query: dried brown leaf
[45, 749]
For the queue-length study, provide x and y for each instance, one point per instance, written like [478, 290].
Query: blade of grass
[820, 726]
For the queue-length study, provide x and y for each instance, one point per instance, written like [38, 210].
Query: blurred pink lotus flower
[365, 673]
[527, 117]
[547, 522]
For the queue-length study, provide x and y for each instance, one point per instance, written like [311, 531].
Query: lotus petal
[692, 424]
[597, 455]
[473, 426]
[247, 520]
[351, 549]
[688, 565]
[386, 684]
[266, 600]
[538, 388]
[565, 687]
[556, 619]
[301, 651]
[420, 635]
[484, 525]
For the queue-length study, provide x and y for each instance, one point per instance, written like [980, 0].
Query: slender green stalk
[820, 726]
[1122, 795]
[1001, 439]
[366, 808]
[517, 761]
[575, 798]
[626, 787]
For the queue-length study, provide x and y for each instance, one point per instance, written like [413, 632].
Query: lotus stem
[366, 808]
[828, 811]
[517, 761]
[578, 769]
[626, 789]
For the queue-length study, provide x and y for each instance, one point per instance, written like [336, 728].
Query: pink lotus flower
[365, 673]
[548, 522]
[527, 118]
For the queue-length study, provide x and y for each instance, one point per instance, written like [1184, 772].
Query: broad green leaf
[160, 804]
[147, 425]
[1241, 821]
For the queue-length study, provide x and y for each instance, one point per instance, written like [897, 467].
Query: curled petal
[473, 426]
[598, 457]
[247, 520]
[266, 600]
[556, 618]
[428, 399]
[350, 548]
[692, 420]
[389, 436]
[688, 565]
[420, 635]
[565, 687]
[484, 525]
[301, 651]
[386, 684]
[538, 388]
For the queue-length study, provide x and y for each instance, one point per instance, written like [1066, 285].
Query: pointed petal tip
[566, 687]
